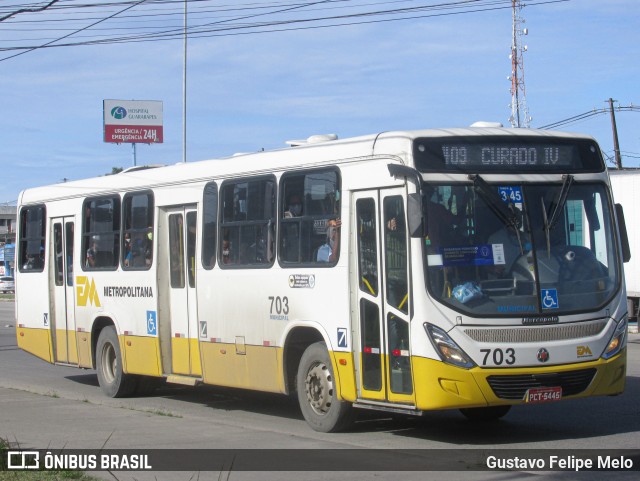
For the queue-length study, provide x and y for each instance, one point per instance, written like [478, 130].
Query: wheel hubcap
[109, 363]
[319, 388]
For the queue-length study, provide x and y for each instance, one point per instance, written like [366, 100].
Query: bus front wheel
[113, 381]
[317, 394]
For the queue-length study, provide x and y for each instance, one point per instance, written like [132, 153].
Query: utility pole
[519, 111]
[616, 146]
[184, 89]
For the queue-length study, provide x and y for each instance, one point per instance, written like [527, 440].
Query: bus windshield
[519, 250]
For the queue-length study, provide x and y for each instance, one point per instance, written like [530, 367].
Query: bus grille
[515, 387]
[538, 333]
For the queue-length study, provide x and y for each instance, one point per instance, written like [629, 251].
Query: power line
[72, 33]
[589, 114]
[212, 29]
[616, 159]
[28, 10]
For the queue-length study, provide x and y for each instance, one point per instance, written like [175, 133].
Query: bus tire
[315, 385]
[490, 413]
[112, 379]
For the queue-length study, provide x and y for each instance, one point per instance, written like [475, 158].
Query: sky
[255, 91]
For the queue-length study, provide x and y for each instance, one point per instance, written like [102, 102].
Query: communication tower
[519, 111]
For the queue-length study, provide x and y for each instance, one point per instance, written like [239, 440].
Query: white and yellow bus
[473, 268]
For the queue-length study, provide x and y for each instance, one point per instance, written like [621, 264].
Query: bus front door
[381, 326]
[182, 238]
[62, 322]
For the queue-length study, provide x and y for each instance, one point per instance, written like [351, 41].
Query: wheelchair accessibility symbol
[549, 298]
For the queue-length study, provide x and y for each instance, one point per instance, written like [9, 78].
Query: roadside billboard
[133, 121]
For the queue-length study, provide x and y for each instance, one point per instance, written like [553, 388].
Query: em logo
[86, 291]
[118, 112]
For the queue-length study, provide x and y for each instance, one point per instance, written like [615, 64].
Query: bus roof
[392, 143]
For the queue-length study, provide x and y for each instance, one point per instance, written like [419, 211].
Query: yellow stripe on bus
[36, 341]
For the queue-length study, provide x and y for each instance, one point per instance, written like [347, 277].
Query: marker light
[448, 350]
[618, 340]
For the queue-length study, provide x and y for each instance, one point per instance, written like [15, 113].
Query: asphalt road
[45, 406]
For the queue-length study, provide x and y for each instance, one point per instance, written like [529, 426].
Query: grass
[160, 412]
[44, 476]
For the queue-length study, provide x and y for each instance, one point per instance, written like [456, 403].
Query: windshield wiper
[555, 209]
[504, 211]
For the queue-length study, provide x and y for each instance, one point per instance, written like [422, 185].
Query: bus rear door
[179, 329]
[63, 323]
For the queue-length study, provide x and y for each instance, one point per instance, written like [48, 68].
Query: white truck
[625, 185]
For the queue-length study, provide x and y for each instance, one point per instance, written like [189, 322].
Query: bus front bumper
[443, 386]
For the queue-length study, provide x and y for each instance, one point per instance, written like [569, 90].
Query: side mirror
[415, 220]
[622, 230]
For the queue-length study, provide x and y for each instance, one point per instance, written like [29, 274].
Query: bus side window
[101, 233]
[209, 225]
[247, 223]
[309, 203]
[32, 239]
[137, 248]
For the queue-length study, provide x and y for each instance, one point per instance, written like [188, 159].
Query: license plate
[543, 394]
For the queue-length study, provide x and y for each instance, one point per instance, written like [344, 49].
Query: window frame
[147, 230]
[212, 250]
[282, 200]
[86, 234]
[23, 239]
[264, 222]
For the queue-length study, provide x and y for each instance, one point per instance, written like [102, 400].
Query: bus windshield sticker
[498, 254]
[511, 195]
[479, 255]
[549, 298]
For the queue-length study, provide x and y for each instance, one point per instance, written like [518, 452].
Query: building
[8, 225]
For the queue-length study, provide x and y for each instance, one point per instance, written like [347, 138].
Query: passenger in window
[442, 226]
[263, 245]
[395, 224]
[294, 207]
[328, 252]
[226, 252]
[148, 247]
[127, 249]
[92, 253]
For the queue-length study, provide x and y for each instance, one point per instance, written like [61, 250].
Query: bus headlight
[447, 348]
[618, 340]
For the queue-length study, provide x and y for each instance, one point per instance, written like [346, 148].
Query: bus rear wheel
[490, 413]
[317, 396]
[113, 381]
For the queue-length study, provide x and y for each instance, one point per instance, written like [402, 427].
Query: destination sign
[507, 154]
